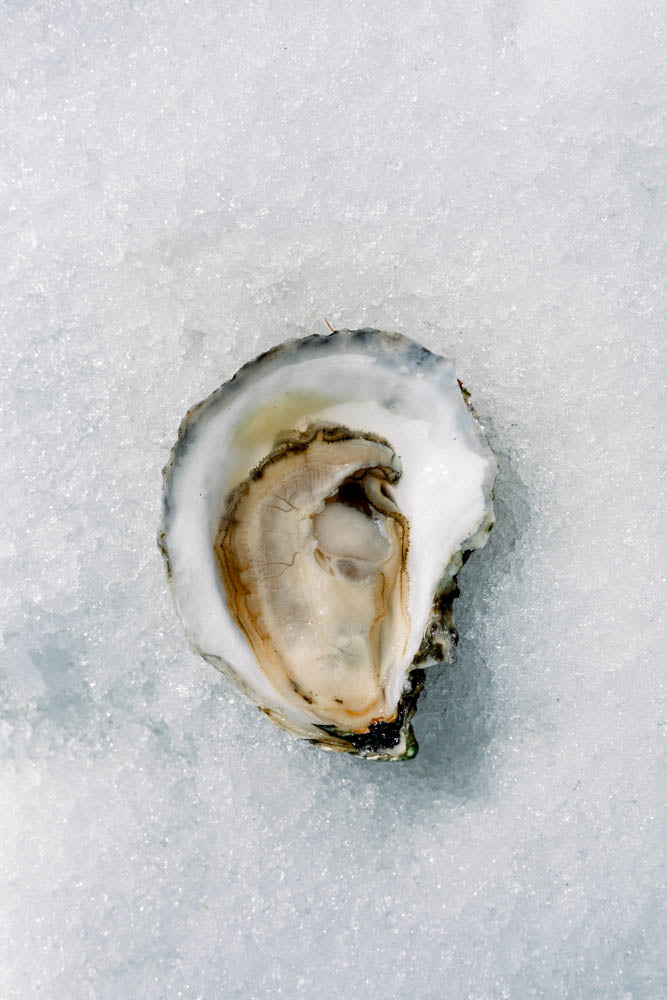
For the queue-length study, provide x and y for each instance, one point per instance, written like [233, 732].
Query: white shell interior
[389, 387]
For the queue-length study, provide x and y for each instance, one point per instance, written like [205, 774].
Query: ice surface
[182, 186]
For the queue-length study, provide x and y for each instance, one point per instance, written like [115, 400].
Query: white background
[184, 185]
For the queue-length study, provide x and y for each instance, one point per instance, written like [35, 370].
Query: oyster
[316, 511]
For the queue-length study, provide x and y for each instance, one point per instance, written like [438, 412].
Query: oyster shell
[316, 510]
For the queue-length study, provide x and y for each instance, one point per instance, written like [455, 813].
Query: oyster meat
[316, 510]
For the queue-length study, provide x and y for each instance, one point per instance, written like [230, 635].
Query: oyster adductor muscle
[316, 510]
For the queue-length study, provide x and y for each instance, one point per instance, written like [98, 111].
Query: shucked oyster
[316, 510]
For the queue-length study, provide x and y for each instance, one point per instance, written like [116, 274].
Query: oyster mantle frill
[316, 510]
